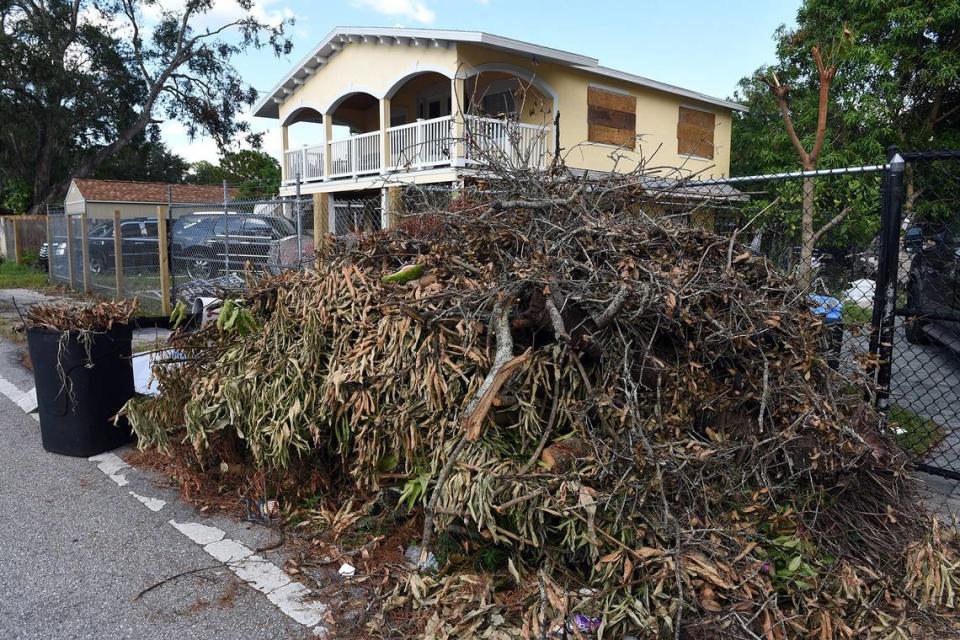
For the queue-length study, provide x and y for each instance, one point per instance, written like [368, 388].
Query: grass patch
[852, 314]
[20, 276]
[914, 433]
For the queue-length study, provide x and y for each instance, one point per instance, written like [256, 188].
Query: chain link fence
[159, 253]
[877, 249]
[212, 244]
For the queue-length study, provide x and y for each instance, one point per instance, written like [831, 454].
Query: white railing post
[417, 139]
[352, 150]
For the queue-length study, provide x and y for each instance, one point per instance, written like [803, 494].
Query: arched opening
[304, 144]
[421, 109]
[512, 94]
[355, 113]
[509, 117]
[355, 147]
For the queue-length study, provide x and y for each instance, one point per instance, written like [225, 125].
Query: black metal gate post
[888, 267]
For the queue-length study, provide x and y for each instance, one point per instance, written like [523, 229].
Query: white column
[458, 105]
[331, 214]
[284, 145]
[384, 208]
[327, 137]
[385, 157]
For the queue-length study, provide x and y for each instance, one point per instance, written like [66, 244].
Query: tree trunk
[805, 268]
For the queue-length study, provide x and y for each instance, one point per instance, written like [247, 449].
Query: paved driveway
[925, 380]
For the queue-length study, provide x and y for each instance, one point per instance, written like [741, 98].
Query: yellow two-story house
[373, 109]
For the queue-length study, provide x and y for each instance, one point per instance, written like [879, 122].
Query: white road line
[111, 464]
[154, 504]
[28, 401]
[292, 598]
[10, 390]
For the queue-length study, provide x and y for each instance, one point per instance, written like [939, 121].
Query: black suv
[933, 284]
[139, 245]
[202, 244]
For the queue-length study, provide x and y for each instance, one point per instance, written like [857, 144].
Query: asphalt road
[76, 549]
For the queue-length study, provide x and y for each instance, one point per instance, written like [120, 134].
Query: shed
[100, 198]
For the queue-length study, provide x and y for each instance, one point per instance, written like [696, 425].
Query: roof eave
[268, 107]
[663, 86]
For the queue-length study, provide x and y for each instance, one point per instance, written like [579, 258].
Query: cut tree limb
[476, 410]
[606, 317]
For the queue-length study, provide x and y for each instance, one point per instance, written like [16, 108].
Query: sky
[696, 44]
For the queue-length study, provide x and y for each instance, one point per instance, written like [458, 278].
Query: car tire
[95, 263]
[913, 327]
[200, 266]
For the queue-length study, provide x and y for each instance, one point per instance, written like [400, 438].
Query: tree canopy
[897, 83]
[83, 80]
[253, 172]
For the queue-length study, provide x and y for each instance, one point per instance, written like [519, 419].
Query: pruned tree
[81, 79]
[826, 72]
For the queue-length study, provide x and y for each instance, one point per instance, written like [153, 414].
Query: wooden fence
[21, 236]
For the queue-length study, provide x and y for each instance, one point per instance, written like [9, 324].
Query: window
[499, 104]
[235, 225]
[257, 227]
[695, 132]
[398, 116]
[151, 229]
[611, 118]
[130, 230]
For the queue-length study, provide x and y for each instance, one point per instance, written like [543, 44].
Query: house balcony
[420, 146]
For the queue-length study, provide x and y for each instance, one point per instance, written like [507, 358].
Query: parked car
[203, 243]
[43, 256]
[933, 284]
[139, 245]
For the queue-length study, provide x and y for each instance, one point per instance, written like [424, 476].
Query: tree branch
[837, 219]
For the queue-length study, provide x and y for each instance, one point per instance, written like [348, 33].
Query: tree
[253, 172]
[145, 158]
[826, 71]
[80, 80]
[898, 84]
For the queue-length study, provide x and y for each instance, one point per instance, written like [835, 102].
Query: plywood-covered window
[611, 118]
[695, 132]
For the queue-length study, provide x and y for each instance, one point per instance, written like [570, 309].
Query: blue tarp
[829, 308]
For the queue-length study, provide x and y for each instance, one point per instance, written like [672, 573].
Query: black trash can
[77, 419]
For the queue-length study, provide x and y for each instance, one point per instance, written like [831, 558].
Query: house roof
[147, 192]
[268, 106]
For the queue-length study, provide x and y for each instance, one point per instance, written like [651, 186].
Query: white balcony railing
[514, 144]
[356, 155]
[420, 145]
[306, 163]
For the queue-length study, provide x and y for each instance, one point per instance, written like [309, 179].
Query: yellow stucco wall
[366, 67]
[657, 114]
[375, 68]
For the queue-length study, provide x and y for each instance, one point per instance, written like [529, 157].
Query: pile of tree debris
[97, 316]
[631, 422]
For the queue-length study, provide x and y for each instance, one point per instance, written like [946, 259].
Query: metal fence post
[117, 253]
[226, 230]
[70, 261]
[885, 294]
[50, 250]
[299, 215]
[85, 249]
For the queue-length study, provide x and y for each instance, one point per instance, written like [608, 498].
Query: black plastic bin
[79, 421]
